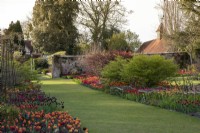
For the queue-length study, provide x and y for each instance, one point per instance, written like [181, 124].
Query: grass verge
[103, 113]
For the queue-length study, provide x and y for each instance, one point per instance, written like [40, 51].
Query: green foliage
[68, 77]
[8, 111]
[15, 32]
[24, 72]
[45, 71]
[190, 6]
[112, 71]
[82, 48]
[124, 41]
[148, 70]
[108, 33]
[118, 42]
[54, 27]
[14, 27]
[56, 53]
[59, 53]
[132, 40]
[17, 55]
[41, 63]
[100, 17]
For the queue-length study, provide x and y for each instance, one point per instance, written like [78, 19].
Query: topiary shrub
[148, 71]
[41, 63]
[112, 71]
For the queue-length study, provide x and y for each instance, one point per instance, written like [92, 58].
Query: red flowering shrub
[94, 63]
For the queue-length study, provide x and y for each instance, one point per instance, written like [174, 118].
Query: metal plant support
[7, 70]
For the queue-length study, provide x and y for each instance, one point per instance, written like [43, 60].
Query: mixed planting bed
[160, 96]
[29, 110]
[150, 80]
[164, 95]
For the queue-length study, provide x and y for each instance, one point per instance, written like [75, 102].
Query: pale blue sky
[143, 21]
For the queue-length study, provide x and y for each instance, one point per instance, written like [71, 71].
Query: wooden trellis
[7, 71]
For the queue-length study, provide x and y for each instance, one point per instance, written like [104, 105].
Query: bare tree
[173, 17]
[27, 28]
[181, 25]
[98, 16]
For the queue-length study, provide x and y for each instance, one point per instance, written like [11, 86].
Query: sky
[143, 21]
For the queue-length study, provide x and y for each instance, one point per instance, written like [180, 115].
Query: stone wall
[56, 66]
[65, 65]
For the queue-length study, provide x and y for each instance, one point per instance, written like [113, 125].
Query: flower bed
[34, 100]
[162, 96]
[32, 111]
[171, 99]
[37, 122]
[91, 81]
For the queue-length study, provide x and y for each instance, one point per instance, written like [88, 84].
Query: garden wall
[65, 65]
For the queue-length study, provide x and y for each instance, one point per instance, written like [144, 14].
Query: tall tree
[99, 17]
[173, 18]
[132, 40]
[190, 6]
[181, 24]
[118, 42]
[53, 25]
[15, 32]
[124, 41]
[27, 28]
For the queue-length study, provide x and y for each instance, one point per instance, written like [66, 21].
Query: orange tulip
[20, 130]
[53, 113]
[59, 124]
[69, 126]
[16, 128]
[54, 127]
[49, 127]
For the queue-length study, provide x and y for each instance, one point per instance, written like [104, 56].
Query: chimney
[159, 31]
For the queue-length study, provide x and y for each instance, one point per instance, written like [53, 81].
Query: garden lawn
[104, 113]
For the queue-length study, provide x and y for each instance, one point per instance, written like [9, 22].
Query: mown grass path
[103, 113]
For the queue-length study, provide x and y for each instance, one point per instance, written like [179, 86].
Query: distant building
[28, 47]
[159, 46]
[155, 46]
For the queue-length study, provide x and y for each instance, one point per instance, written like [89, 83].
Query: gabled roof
[155, 46]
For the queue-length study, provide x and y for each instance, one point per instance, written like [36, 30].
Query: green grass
[42, 76]
[103, 113]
